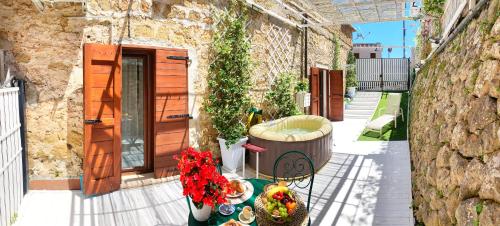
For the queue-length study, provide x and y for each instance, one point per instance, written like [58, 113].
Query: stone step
[358, 112]
[362, 107]
[348, 116]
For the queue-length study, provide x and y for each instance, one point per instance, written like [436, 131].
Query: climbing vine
[434, 7]
[229, 74]
[335, 53]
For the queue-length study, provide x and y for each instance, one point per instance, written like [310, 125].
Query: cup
[247, 212]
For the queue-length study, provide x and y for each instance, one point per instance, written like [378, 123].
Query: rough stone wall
[455, 129]
[47, 52]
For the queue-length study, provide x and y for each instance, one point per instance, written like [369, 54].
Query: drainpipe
[305, 47]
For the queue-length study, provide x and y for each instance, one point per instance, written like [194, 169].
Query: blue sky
[387, 33]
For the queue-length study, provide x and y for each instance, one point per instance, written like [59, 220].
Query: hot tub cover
[319, 126]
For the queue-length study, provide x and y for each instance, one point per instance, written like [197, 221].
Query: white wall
[364, 52]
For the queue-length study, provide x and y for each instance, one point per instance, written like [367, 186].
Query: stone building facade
[455, 128]
[46, 49]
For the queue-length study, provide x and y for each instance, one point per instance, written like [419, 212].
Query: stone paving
[364, 183]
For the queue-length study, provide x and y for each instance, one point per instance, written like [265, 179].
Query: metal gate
[383, 74]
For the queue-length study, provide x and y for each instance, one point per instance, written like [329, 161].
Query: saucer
[248, 221]
[226, 209]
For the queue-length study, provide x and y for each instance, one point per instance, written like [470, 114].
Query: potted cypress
[229, 84]
[351, 81]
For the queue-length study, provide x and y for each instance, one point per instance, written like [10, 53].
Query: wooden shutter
[102, 103]
[315, 100]
[171, 132]
[336, 96]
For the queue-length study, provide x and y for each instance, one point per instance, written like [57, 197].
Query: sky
[387, 33]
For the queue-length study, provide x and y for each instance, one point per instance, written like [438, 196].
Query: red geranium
[200, 179]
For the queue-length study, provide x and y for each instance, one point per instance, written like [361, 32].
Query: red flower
[200, 179]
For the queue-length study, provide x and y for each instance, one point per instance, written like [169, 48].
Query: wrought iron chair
[297, 169]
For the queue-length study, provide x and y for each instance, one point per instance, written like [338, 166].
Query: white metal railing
[11, 166]
[383, 74]
[452, 11]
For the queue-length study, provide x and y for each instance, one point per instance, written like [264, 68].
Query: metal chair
[295, 167]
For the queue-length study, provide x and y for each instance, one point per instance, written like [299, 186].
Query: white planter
[232, 157]
[351, 91]
[200, 214]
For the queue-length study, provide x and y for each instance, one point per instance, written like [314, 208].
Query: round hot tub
[309, 134]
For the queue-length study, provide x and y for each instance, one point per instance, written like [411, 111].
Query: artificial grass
[389, 132]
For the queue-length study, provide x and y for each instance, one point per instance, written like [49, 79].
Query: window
[373, 55]
[356, 55]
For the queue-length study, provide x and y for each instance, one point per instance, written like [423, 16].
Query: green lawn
[390, 133]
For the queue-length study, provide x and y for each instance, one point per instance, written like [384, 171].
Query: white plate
[245, 188]
[246, 195]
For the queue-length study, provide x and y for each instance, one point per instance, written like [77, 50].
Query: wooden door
[315, 91]
[102, 114]
[336, 96]
[171, 132]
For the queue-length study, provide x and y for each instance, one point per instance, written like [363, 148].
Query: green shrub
[280, 100]
[351, 80]
[229, 74]
[302, 85]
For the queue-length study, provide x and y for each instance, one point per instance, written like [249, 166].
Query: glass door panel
[132, 127]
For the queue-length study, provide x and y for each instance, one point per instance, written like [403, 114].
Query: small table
[217, 218]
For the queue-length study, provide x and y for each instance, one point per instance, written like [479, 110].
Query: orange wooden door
[171, 132]
[336, 96]
[102, 114]
[315, 97]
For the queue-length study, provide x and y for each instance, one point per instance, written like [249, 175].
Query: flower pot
[232, 156]
[200, 214]
[351, 91]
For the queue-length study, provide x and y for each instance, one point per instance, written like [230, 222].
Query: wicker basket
[299, 216]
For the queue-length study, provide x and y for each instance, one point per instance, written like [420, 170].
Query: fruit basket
[278, 205]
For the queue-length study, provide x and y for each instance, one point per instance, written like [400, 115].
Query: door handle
[180, 116]
[92, 121]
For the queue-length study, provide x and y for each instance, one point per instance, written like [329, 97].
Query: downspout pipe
[305, 48]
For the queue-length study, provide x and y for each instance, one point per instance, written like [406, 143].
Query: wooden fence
[11, 160]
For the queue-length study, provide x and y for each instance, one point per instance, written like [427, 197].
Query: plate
[226, 209]
[249, 221]
[249, 189]
[236, 195]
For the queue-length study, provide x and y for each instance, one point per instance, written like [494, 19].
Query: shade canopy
[360, 11]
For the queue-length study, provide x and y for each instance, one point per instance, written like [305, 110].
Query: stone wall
[47, 52]
[455, 128]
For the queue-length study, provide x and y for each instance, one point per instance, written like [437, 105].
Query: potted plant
[351, 81]
[301, 91]
[229, 84]
[347, 103]
[201, 182]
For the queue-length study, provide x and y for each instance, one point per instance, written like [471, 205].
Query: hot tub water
[294, 131]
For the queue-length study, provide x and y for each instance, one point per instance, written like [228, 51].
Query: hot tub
[309, 134]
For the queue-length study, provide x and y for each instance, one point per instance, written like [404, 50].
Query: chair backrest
[297, 169]
[393, 102]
